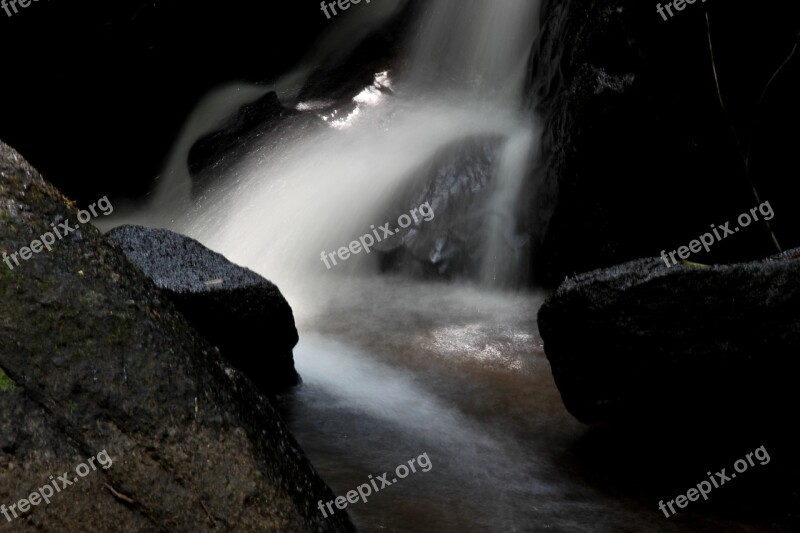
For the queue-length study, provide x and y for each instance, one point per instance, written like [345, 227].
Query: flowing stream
[395, 367]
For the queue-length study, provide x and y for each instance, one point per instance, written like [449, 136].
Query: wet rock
[458, 184]
[641, 342]
[342, 71]
[241, 313]
[638, 154]
[96, 358]
[215, 154]
[346, 71]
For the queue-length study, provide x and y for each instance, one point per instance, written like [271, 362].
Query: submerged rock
[241, 313]
[641, 341]
[95, 359]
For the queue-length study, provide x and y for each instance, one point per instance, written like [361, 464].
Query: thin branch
[744, 152]
[719, 90]
[769, 84]
[213, 523]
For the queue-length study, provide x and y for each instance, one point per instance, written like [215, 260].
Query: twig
[213, 523]
[119, 495]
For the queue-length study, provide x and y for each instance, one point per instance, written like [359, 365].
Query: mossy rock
[103, 361]
[6, 383]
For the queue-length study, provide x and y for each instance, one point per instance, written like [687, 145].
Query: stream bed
[394, 368]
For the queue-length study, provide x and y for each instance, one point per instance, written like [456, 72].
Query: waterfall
[501, 263]
[303, 194]
[477, 44]
[366, 340]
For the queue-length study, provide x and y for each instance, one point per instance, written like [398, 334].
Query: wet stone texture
[95, 358]
[633, 339]
[237, 310]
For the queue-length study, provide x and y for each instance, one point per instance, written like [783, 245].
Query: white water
[301, 194]
[394, 368]
[501, 264]
[354, 381]
[477, 46]
[170, 205]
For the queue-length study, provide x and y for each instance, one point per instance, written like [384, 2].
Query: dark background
[94, 93]
[639, 155]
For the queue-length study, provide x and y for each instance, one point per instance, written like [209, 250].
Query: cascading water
[323, 190]
[475, 46]
[394, 367]
[502, 246]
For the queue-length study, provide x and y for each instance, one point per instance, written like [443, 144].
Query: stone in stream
[94, 357]
[237, 310]
[644, 342]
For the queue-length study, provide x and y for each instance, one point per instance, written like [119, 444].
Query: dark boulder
[638, 154]
[240, 312]
[96, 358]
[644, 342]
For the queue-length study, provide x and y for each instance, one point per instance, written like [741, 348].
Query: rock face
[638, 154]
[96, 358]
[241, 313]
[641, 341]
